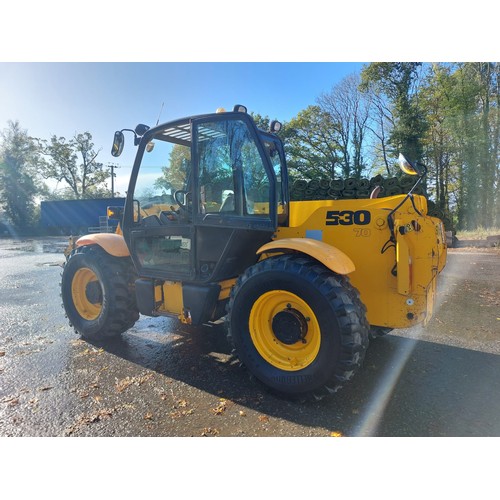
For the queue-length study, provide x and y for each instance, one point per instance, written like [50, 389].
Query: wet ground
[166, 379]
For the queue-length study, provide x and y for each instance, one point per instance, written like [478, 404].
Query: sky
[66, 98]
[66, 69]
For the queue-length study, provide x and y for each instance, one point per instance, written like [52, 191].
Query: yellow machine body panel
[328, 255]
[396, 272]
[168, 296]
[112, 243]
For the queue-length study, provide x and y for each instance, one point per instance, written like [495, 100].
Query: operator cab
[205, 193]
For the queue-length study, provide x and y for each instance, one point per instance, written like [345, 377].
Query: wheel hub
[86, 293]
[289, 326]
[284, 330]
[93, 292]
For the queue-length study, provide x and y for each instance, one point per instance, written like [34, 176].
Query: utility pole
[112, 167]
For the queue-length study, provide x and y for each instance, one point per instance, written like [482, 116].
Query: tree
[473, 116]
[349, 111]
[262, 122]
[380, 124]
[487, 75]
[74, 163]
[311, 144]
[18, 180]
[398, 81]
[174, 173]
[440, 145]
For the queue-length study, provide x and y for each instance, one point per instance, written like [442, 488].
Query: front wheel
[97, 293]
[296, 326]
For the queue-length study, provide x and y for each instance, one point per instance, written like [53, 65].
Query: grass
[478, 234]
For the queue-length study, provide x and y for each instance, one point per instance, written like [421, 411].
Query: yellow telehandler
[208, 232]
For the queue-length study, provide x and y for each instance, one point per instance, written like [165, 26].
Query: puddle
[56, 247]
[36, 246]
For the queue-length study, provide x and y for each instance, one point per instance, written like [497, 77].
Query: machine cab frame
[203, 197]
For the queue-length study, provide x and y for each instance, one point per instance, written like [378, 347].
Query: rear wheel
[97, 293]
[296, 326]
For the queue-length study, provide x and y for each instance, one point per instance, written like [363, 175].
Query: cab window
[232, 176]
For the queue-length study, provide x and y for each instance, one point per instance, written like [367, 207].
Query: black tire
[97, 293]
[323, 326]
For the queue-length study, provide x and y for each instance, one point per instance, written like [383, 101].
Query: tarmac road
[166, 379]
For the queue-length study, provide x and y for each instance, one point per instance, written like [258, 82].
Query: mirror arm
[424, 167]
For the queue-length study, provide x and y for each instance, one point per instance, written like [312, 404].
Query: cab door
[158, 214]
[235, 195]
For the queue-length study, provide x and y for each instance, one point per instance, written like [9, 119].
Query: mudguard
[331, 257]
[112, 243]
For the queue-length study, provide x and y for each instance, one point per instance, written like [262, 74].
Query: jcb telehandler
[208, 232]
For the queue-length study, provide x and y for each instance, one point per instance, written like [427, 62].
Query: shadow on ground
[406, 387]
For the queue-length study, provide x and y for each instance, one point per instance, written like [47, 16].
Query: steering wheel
[184, 194]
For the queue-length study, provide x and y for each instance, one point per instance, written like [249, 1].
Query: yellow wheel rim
[87, 307]
[284, 330]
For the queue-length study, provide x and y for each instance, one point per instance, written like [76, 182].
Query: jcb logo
[347, 217]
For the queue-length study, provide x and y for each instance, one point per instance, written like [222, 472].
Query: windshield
[163, 179]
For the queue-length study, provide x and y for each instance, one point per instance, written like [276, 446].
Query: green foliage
[175, 173]
[311, 144]
[462, 106]
[18, 180]
[399, 82]
[450, 121]
[262, 122]
[74, 163]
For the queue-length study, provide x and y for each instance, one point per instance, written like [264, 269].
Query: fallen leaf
[90, 419]
[89, 351]
[2, 353]
[336, 434]
[148, 416]
[122, 384]
[209, 431]
[183, 413]
[264, 418]
[220, 408]
[242, 413]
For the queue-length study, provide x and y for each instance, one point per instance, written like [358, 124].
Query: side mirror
[118, 142]
[275, 126]
[408, 167]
